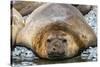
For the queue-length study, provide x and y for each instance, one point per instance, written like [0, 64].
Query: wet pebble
[27, 63]
[90, 54]
[91, 19]
[22, 53]
[23, 63]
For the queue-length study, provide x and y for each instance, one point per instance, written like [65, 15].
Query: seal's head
[56, 44]
[61, 45]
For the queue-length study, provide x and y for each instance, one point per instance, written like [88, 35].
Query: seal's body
[16, 25]
[56, 31]
[25, 7]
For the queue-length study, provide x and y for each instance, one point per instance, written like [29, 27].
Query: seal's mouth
[57, 56]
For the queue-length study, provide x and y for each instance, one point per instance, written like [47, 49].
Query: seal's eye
[48, 40]
[64, 40]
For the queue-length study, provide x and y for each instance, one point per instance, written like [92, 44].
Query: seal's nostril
[54, 49]
[48, 40]
[56, 45]
[64, 40]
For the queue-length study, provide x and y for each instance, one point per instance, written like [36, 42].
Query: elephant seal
[56, 31]
[25, 7]
[16, 25]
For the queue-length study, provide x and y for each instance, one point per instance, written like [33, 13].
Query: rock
[91, 52]
[84, 9]
[91, 18]
[23, 54]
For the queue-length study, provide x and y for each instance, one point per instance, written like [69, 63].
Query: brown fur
[75, 43]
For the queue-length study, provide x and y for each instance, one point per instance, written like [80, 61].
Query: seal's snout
[56, 54]
[56, 48]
